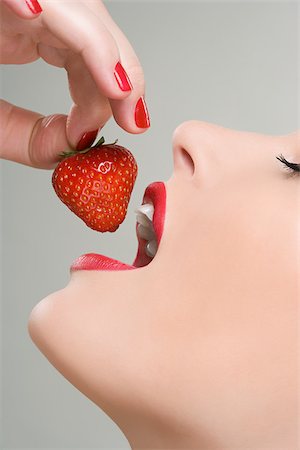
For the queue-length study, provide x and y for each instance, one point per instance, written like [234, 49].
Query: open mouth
[149, 230]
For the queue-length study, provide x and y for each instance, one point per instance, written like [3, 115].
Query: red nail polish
[34, 6]
[142, 118]
[86, 140]
[122, 78]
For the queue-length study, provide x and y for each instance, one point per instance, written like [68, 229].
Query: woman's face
[202, 342]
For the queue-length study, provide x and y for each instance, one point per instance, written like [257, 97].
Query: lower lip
[156, 194]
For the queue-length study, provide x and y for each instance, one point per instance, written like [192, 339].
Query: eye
[293, 168]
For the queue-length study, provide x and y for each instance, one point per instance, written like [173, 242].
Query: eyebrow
[291, 165]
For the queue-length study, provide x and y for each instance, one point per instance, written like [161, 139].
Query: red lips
[155, 194]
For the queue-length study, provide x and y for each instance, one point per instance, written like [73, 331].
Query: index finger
[84, 33]
[130, 113]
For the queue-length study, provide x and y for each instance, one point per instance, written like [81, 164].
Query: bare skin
[81, 37]
[199, 349]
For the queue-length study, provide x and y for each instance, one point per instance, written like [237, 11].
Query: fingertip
[122, 78]
[112, 84]
[26, 9]
[133, 117]
[137, 130]
[86, 140]
[131, 128]
[141, 114]
[34, 6]
[85, 123]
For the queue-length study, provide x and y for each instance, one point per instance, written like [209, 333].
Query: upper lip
[155, 193]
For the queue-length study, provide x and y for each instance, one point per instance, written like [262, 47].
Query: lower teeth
[145, 232]
[145, 228]
[151, 248]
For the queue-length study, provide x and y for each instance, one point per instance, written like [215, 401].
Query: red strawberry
[96, 184]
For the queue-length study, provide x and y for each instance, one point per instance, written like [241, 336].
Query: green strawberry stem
[98, 144]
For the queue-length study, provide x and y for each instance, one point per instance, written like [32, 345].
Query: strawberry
[96, 184]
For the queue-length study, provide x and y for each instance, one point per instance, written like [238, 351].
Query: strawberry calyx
[98, 144]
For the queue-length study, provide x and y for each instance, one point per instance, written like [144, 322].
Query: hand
[81, 37]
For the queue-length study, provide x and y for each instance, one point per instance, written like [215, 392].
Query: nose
[183, 152]
[193, 141]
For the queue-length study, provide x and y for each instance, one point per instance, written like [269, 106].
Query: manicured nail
[122, 78]
[141, 116]
[34, 6]
[86, 140]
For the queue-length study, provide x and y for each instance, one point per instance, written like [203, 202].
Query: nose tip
[195, 142]
[183, 147]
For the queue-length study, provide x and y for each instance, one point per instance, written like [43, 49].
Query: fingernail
[34, 6]
[141, 116]
[86, 140]
[122, 78]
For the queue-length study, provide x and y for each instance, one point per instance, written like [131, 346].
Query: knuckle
[42, 143]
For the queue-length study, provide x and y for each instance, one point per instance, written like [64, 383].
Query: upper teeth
[145, 229]
[145, 232]
[145, 211]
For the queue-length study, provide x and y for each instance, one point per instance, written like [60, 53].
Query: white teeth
[143, 220]
[145, 229]
[147, 210]
[145, 232]
[151, 248]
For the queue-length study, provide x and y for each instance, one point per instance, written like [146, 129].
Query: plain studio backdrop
[230, 63]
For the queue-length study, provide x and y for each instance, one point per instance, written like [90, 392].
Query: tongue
[94, 261]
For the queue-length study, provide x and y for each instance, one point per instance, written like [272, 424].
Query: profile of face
[198, 348]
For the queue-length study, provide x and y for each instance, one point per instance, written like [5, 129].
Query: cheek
[230, 235]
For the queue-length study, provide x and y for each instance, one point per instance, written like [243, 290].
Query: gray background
[234, 64]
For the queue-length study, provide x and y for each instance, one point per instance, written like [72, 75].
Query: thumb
[26, 9]
[29, 138]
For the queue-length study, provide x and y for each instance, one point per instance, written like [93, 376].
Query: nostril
[186, 161]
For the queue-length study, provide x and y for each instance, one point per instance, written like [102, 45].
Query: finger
[30, 138]
[91, 110]
[84, 33]
[16, 45]
[130, 113]
[26, 9]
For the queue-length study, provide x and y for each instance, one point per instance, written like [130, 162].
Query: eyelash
[293, 168]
